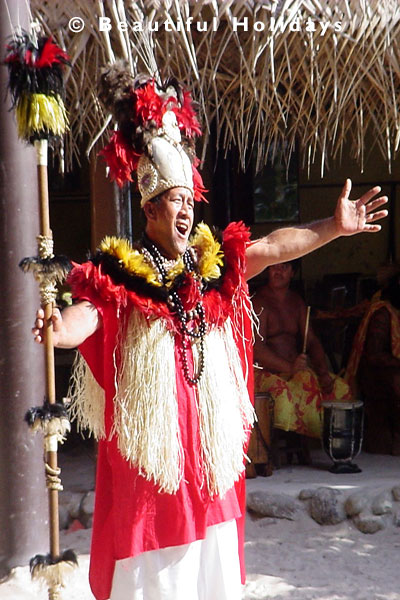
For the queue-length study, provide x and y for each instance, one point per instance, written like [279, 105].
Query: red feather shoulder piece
[220, 303]
[90, 282]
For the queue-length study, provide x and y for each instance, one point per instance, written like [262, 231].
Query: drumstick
[306, 329]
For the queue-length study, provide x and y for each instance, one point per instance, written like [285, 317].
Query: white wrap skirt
[206, 569]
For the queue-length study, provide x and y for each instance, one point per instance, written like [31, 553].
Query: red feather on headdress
[198, 186]
[186, 116]
[150, 106]
[120, 158]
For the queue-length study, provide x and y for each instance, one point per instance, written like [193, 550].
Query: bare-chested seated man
[298, 382]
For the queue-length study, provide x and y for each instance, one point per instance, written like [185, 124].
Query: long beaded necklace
[198, 330]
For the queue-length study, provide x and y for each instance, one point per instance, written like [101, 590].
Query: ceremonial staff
[36, 85]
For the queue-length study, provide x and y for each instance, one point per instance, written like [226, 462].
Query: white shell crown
[166, 165]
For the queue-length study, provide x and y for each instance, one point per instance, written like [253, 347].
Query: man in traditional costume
[165, 376]
[298, 382]
[373, 370]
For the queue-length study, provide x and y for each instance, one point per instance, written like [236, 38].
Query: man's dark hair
[295, 264]
[143, 218]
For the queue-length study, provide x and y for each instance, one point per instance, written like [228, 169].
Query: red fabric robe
[131, 515]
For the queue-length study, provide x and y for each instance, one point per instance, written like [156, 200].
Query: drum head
[343, 405]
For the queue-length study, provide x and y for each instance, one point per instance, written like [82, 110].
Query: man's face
[279, 276]
[170, 222]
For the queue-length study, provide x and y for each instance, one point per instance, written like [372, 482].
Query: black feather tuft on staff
[57, 267]
[45, 560]
[52, 570]
[46, 412]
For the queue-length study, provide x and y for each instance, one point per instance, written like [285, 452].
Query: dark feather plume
[173, 82]
[116, 85]
[45, 413]
[35, 67]
[116, 92]
[57, 266]
[45, 560]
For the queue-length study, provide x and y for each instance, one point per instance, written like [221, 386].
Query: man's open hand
[356, 216]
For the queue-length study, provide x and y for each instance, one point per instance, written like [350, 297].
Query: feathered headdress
[157, 126]
[36, 86]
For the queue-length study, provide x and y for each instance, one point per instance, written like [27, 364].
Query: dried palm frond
[316, 74]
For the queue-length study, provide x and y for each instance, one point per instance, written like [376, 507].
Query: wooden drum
[259, 450]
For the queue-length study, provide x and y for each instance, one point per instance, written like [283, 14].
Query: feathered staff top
[36, 86]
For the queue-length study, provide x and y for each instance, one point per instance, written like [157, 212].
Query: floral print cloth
[298, 400]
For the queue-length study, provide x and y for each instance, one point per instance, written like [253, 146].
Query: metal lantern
[342, 435]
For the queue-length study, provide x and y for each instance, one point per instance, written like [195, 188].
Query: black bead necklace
[198, 331]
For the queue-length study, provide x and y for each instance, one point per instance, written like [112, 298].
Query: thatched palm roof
[307, 72]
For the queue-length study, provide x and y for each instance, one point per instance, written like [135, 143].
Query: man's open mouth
[182, 228]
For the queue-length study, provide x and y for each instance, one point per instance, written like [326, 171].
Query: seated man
[374, 368]
[297, 389]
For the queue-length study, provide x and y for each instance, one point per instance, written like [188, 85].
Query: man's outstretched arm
[350, 217]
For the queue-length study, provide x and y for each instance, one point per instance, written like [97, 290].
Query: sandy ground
[286, 560]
